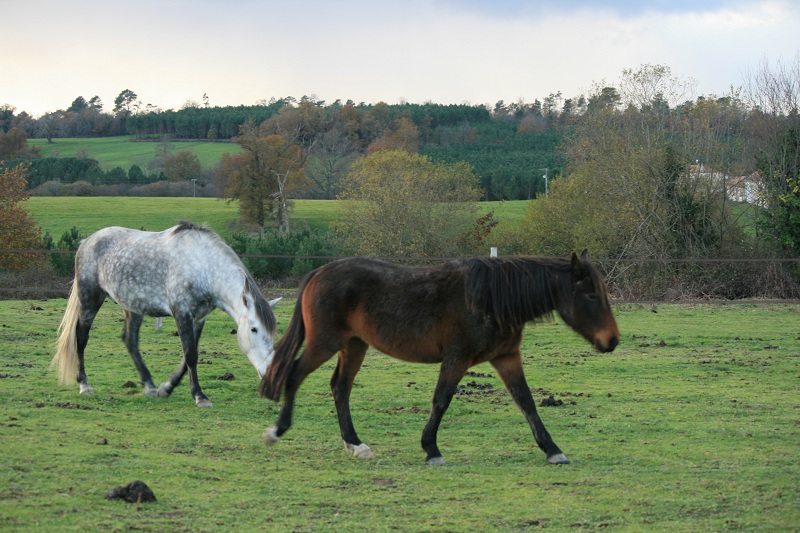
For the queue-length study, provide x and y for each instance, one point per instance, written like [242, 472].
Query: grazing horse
[186, 271]
[458, 314]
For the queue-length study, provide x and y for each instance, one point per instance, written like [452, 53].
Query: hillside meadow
[59, 214]
[692, 424]
[124, 152]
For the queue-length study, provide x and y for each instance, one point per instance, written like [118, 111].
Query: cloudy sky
[444, 51]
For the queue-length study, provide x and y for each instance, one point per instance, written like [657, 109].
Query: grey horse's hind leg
[91, 301]
[130, 336]
[82, 329]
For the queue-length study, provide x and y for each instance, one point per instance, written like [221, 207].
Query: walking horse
[457, 314]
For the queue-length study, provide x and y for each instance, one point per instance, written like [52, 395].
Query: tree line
[508, 145]
[639, 172]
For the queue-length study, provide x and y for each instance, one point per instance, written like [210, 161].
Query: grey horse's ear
[275, 301]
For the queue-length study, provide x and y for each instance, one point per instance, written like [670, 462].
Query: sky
[239, 52]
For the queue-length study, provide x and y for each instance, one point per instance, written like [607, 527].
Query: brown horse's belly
[410, 350]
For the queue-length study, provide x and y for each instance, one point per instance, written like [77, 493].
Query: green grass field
[59, 214]
[692, 424]
[123, 152]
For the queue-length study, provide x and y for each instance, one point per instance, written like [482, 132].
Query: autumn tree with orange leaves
[18, 231]
[262, 176]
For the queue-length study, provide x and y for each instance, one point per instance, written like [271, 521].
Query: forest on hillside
[511, 147]
[635, 171]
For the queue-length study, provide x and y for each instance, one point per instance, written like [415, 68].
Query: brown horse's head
[586, 309]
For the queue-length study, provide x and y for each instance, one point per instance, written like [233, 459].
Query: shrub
[283, 262]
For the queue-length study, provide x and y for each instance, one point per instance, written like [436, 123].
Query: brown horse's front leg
[312, 358]
[510, 369]
[450, 374]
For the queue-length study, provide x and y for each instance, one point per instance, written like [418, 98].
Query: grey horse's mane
[187, 226]
[262, 306]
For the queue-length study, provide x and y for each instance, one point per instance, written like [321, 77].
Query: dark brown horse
[459, 314]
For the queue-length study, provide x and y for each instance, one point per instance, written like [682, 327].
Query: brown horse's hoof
[361, 451]
[270, 436]
[558, 459]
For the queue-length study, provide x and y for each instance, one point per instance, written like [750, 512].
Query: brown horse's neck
[516, 290]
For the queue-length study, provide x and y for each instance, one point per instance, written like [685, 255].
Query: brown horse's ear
[585, 255]
[578, 267]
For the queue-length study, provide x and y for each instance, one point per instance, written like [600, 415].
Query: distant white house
[746, 188]
[739, 188]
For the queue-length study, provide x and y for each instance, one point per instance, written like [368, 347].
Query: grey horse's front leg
[130, 336]
[189, 331]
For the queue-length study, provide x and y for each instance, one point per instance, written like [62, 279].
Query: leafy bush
[63, 263]
[300, 251]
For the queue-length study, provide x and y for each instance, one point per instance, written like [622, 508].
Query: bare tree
[329, 162]
[773, 91]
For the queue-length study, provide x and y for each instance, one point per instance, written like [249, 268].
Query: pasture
[88, 214]
[692, 424]
[123, 152]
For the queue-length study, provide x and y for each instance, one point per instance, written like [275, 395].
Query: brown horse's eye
[592, 297]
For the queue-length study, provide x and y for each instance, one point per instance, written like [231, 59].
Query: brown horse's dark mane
[514, 290]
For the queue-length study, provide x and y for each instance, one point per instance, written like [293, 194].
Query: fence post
[493, 251]
[158, 323]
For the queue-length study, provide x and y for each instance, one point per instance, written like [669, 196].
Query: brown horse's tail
[66, 358]
[274, 380]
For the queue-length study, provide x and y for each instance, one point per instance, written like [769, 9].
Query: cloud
[446, 51]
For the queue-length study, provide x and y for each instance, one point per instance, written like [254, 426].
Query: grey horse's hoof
[203, 402]
[86, 390]
[558, 459]
[435, 461]
[151, 392]
[164, 390]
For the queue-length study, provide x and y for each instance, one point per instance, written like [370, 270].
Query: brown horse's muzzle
[607, 339]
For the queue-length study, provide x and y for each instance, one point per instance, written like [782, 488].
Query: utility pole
[546, 182]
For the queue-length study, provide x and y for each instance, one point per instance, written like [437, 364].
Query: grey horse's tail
[66, 358]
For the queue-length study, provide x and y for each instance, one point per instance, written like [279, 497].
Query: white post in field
[493, 252]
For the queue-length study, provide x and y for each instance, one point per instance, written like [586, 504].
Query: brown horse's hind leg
[350, 360]
[451, 372]
[510, 369]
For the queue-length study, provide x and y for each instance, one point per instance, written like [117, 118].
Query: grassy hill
[58, 214]
[123, 152]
